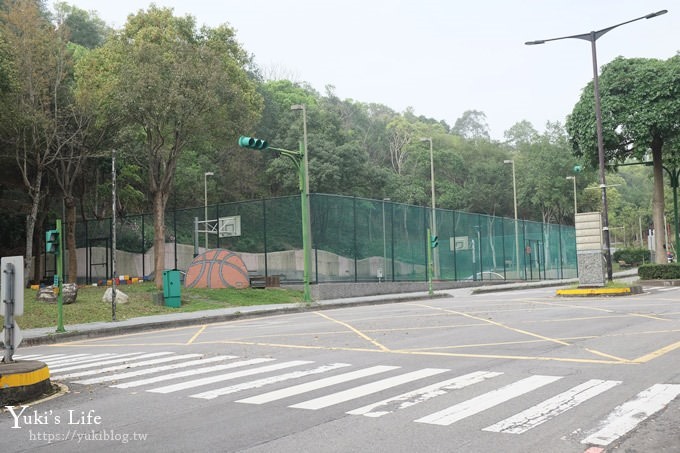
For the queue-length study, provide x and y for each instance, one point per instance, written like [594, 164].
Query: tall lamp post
[306, 222]
[205, 204]
[573, 178]
[433, 226]
[514, 199]
[592, 37]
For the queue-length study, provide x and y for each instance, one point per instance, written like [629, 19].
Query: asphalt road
[517, 371]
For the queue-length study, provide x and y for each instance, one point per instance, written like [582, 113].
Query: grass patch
[90, 308]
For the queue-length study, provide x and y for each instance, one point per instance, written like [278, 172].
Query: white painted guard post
[12, 302]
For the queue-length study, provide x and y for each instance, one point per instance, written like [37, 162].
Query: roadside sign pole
[59, 280]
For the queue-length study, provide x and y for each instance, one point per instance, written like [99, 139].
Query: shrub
[632, 256]
[669, 271]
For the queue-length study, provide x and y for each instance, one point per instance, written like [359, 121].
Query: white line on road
[266, 381]
[137, 373]
[552, 407]
[226, 377]
[367, 389]
[486, 401]
[118, 359]
[315, 385]
[418, 396]
[125, 366]
[180, 374]
[628, 415]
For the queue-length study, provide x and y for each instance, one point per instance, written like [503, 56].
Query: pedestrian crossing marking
[486, 401]
[179, 374]
[315, 385]
[118, 359]
[225, 377]
[127, 365]
[629, 414]
[266, 381]
[421, 395]
[367, 389]
[155, 370]
[552, 407]
[108, 368]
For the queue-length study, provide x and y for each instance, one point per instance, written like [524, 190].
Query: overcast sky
[440, 57]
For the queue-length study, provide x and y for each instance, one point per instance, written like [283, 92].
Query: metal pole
[9, 314]
[60, 297]
[113, 236]
[205, 204]
[433, 225]
[514, 200]
[306, 217]
[573, 178]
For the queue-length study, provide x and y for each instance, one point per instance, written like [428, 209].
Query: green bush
[632, 256]
[669, 271]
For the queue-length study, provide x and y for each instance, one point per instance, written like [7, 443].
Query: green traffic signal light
[52, 241]
[252, 143]
[578, 169]
[434, 241]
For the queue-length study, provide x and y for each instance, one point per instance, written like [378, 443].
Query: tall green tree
[174, 85]
[640, 111]
[38, 110]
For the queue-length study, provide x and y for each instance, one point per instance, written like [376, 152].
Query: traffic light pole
[430, 266]
[298, 158]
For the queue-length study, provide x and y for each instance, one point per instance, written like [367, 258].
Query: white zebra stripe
[418, 396]
[367, 389]
[628, 415]
[552, 407]
[179, 374]
[266, 381]
[109, 362]
[125, 366]
[486, 401]
[174, 366]
[315, 385]
[226, 377]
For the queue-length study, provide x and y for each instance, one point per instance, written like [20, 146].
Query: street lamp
[592, 37]
[205, 204]
[384, 239]
[573, 178]
[514, 198]
[306, 221]
[433, 226]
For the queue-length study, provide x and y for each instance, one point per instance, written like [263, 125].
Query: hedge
[669, 271]
[632, 256]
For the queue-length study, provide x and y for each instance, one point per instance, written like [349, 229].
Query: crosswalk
[270, 380]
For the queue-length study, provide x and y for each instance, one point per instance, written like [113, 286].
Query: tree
[38, 101]
[472, 125]
[640, 111]
[85, 28]
[174, 85]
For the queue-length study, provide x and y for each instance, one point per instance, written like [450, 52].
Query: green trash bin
[172, 290]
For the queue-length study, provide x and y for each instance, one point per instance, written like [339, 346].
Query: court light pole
[433, 226]
[205, 204]
[592, 37]
[573, 178]
[306, 222]
[514, 199]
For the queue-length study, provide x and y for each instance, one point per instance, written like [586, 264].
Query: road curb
[584, 292]
[23, 381]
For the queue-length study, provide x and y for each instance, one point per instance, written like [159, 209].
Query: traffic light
[434, 241]
[578, 169]
[252, 143]
[52, 241]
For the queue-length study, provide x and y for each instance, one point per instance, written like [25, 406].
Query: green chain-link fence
[353, 240]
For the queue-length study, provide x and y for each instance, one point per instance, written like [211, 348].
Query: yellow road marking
[200, 331]
[658, 353]
[361, 334]
[24, 379]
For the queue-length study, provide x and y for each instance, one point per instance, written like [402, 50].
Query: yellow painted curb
[592, 291]
[24, 379]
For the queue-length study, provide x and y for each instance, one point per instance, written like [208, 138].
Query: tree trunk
[658, 204]
[159, 237]
[34, 191]
[70, 204]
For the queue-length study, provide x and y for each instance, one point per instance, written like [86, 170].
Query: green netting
[353, 240]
